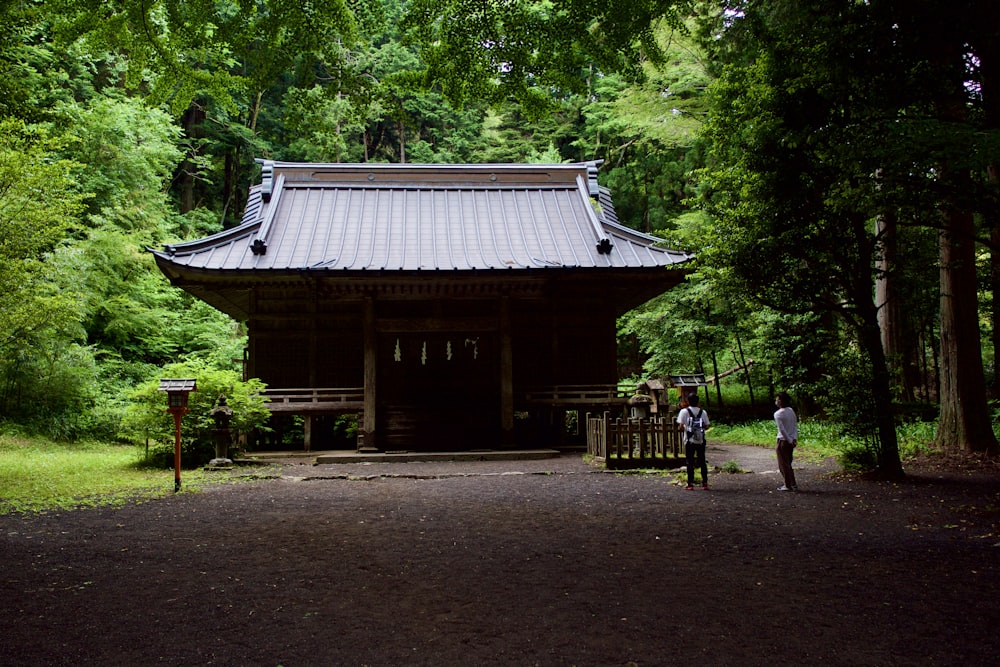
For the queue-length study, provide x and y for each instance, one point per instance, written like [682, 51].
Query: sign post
[177, 405]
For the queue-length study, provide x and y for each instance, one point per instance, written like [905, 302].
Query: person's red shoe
[689, 488]
[704, 487]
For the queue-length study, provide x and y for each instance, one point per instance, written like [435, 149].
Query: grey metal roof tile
[424, 217]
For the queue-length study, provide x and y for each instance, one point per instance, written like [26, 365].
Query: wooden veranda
[540, 403]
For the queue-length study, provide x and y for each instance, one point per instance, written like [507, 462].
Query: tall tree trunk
[229, 190]
[870, 338]
[746, 368]
[965, 421]
[898, 339]
[987, 48]
[889, 464]
[191, 121]
[402, 142]
[995, 311]
[700, 368]
[718, 384]
[254, 111]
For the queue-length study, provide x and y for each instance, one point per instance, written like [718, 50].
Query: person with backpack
[788, 437]
[694, 421]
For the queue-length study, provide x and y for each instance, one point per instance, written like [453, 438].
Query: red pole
[177, 449]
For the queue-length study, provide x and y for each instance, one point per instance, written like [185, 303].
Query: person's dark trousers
[692, 452]
[784, 451]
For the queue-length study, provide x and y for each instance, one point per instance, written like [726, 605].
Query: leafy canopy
[529, 49]
[38, 205]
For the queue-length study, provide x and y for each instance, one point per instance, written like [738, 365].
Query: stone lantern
[221, 414]
[640, 402]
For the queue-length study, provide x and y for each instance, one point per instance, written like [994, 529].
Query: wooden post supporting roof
[506, 374]
[371, 373]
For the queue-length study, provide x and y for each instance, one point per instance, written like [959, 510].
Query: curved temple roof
[391, 217]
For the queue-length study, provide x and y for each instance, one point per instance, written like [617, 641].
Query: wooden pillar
[250, 366]
[307, 425]
[371, 367]
[555, 376]
[506, 375]
[313, 335]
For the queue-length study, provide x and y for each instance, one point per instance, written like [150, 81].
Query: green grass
[37, 475]
[816, 439]
[823, 439]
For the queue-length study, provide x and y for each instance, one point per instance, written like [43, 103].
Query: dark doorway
[438, 391]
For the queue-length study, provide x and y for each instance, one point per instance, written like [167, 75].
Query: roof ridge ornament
[266, 179]
[593, 188]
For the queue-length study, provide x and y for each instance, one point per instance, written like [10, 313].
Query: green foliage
[523, 49]
[178, 50]
[127, 154]
[320, 126]
[647, 132]
[35, 78]
[825, 438]
[146, 416]
[131, 312]
[85, 299]
[507, 134]
[51, 388]
[39, 323]
[37, 208]
[159, 108]
[858, 458]
[731, 467]
[831, 123]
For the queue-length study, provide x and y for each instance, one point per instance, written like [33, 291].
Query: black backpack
[696, 428]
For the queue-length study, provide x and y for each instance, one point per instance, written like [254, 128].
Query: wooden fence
[634, 443]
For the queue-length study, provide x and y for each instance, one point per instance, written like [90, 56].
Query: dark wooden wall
[439, 361]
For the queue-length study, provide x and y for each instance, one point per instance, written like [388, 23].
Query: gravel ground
[547, 562]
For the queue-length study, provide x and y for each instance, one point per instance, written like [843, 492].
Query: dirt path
[547, 562]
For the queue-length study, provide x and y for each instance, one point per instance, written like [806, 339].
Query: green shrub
[147, 420]
[858, 458]
[731, 467]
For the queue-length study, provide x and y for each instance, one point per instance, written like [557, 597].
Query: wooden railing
[633, 443]
[574, 395]
[352, 398]
[315, 400]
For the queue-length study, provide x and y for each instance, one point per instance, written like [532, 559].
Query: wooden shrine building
[449, 306]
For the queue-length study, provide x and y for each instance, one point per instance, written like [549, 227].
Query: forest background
[835, 165]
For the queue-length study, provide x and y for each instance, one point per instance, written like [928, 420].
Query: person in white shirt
[788, 437]
[694, 439]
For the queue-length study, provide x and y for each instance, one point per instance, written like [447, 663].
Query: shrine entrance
[438, 391]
